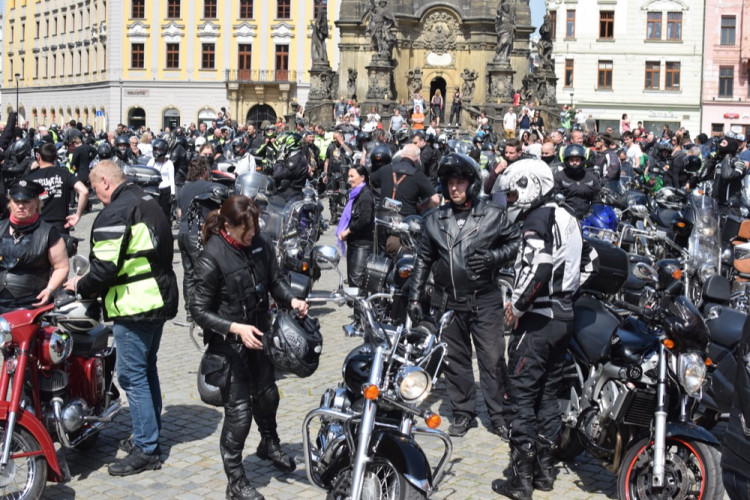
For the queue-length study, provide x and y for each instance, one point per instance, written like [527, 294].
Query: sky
[537, 12]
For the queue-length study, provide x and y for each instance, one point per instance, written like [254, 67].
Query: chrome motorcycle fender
[405, 455]
[690, 431]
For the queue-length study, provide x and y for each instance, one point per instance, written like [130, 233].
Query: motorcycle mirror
[445, 319]
[80, 265]
[391, 205]
[559, 198]
[326, 256]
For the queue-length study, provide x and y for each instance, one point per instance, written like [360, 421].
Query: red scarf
[26, 222]
[236, 244]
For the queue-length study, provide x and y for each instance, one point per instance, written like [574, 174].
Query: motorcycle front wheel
[692, 471]
[25, 477]
[382, 482]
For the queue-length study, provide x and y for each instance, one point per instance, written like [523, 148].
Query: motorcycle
[635, 378]
[58, 380]
[147, 178]
[365, 446]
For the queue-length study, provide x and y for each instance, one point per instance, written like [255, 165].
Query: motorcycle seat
[725, 325]
[89, 344]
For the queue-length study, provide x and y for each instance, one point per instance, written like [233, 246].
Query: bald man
[404, 181]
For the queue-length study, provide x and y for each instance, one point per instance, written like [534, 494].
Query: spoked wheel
[381, 482]
[23, 477]
[692, 471]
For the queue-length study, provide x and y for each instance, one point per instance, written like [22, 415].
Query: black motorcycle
[634, 380]
[365, 444]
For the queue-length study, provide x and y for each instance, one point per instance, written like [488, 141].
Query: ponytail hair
[236, 210]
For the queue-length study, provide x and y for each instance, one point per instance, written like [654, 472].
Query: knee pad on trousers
[265, 406]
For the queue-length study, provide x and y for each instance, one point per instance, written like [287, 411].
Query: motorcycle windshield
[251, 184]
[704, 245]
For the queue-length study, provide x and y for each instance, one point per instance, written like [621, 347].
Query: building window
[607, 24]
[728, 27]
[717, 129]
[316, 7]
[64, 24]
[246, 9]
[23, 32]
[138, 9]
[46, 27]
[726, 81]
[570, 24]
[244, 61]
[282, 63]
[173, 55]
[605, 75]
[36, 67]
[137, 56]
[173, 9]
[553, 23]
[653, 26]
[209, 9]
[672, 72]
[568, 72]
[208, 56]
[653, 69]
[36, 30]
[674, 26]
[283, 9]
[53, 72]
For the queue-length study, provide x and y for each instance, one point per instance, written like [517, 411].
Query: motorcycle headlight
[5, 335]
[692, 373]
[413, 384]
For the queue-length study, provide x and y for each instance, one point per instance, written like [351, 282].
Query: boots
[518, 486]
[240, 489]
[544, 466]
[269, 448]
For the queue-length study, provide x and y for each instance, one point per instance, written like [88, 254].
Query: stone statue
[414, 80]
[505, 27]
[467, 89]
[527, 91]
[320, 34]
[545, 44]
[380, 28]
[351, 83]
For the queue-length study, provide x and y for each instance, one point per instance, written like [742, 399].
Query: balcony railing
[263, 76]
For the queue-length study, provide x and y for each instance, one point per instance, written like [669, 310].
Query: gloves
[481, 261]
[415, 312]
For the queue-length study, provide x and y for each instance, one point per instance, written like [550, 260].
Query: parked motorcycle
[635, 379]
[365, 446]
[147, 178]
[58, 380]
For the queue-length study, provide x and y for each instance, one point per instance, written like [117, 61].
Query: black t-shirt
[411, 189]
[186, 194]
[336, 156]
[58, 182]
[81, 159]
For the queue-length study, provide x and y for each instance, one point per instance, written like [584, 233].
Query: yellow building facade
[157, 63]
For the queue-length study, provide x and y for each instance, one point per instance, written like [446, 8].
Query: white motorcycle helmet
[79, 316]
[199, 142]
[527, 184]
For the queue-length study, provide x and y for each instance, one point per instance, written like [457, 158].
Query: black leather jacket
[445, 249]
[290, 175]
[232, 285]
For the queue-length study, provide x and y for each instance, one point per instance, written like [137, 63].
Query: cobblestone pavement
[190, 451]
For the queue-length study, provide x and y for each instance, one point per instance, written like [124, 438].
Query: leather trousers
[356, 259]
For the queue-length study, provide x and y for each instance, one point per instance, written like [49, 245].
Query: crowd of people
[490, 208]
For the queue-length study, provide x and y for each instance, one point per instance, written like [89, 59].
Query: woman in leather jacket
[234, 276]
[34, 261]
[357, 225]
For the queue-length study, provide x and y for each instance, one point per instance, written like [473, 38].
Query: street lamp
[571, 99]
[17, 77]
[120, 101]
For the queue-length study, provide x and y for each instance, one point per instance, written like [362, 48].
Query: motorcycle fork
[365, 428]
[15, 399]
[660, 420]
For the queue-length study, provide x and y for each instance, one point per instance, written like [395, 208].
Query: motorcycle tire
[380, 476]
[692, 470]
[28, 476]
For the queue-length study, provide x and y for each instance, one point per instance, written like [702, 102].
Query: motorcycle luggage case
[612, 270]
[142, 175]
[376, 273]
[725, 325]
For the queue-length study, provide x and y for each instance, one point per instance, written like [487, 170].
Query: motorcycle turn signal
[370, 392]
[433, 420]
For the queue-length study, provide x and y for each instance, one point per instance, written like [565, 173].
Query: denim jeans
[137, 344]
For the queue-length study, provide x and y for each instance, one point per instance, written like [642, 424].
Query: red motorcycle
[58, 372]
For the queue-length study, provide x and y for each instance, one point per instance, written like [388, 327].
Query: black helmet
[430, 138]
[362, 139]
[183, 141]
[665, 146]
[104, 151]
[294, 344]
[571, 151]
[693, 164]
[20, 150]
[457, 165]
[488, 146]
[122, 144]
[88, 129]
[380, 156]
[160, 148]
[478, 139]
[238, 147]
[122, 139]
[270, 131]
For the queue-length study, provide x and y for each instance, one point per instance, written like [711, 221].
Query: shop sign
[731, 116]
[137, 92]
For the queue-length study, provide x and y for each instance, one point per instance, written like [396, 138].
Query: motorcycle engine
[331, 435]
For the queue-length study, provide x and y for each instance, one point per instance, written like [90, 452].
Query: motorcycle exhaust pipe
[106, 417]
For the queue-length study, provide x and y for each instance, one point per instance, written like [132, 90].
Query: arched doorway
[438, 83]
[259, 113]
[206, 116]
[136, 118]
[171, 119]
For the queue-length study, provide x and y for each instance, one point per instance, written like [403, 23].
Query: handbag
[213, 376]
